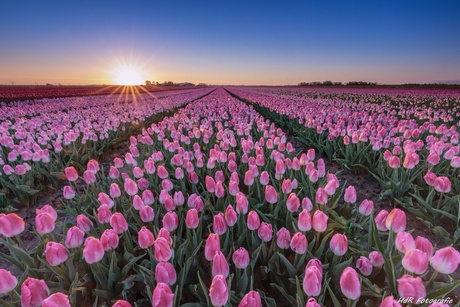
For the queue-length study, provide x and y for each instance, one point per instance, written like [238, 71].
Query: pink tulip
[130, 187]
[170, 221]
[148, 198]
[366, 207]
[33, 292]
[12, 224]
[240, 258]
[118, 222]
[364, 265]
[146, 214]
[220, 265]
[286, 186]
[404, 242]
[380, 220]
[270, 194]
[218, 291]
[307, 204]
[433, 158]
[71, 173]
[162, 172]
[264, 178]
[114, 173]
[350, 284]
[321, 196]
[212, 246]
[312, 281]
[179, 199]
[48, 209]
[411, 288]
[350, 194]
[103, 214]
[192, 220]
[44, 223]
[390, 301]
[74, 237]
[304, 221]
[424, 245]
[56, 253]
[114, 191]
[164, 233]
[251, 299]
[145, 238]
[210, 184]
[445, 260]
[93, 251]
[9, 282]
[430, 178]
[84, 223]
[312, 303]
[339, 244]
[242, 203]
[56, 300]
[162, 296]
[89, 177]
[293, 203]
[249, 178]
[230, 216]
[299, 243]
[394, 162]
[163, 251]
[165, 273]
[331, 187]
[396, 220]
[376, 259]
[253, 220]
[415, 261]
[442, 184]
[109, 239]
[319, 221]
[68, 192]
[122, 303]
[219, 224]
[265, 232]
[138, 203]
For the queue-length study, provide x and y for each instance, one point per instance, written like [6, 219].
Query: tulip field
[223, 197]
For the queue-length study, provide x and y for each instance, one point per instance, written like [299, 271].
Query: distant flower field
[210, 201]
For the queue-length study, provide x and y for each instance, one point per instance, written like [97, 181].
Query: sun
[128, 75]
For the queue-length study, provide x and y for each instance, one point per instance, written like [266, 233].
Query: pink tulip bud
[12, 224]
[376, 259]
[220, 265]
[138, 203]
[114, 173]
[93, 251]
[68, 192]
[304, 221]
[396, 220]
[364, 265]
[212, 246]
[270, 194]
[339, 244]
[148, 198]
[74, 237]
[44, 223]
[265, 232]
[404, 242]
[118, 222]
[249, 178]
[394, 162]
[253, 220]
[55, 253]
[164, 233]
[264, 178]
[163, 251]
[220, 191]
[445, 260]
[165, 273]
[312, 280]
[210, 184]
[283, 238]
[130, 187]
[366, 207]
[9, 282]
[251, 299]
[319, 221]
[415, 261]
[192, 220]
[350, 194]
[170, 221]
[48, 209]
[307, 204]
[218, 291]
[433, 158]
[114, 191]
[71, 173]
[145, 238]
[167, 184]
[219, 225]
[105, 199]
[240, 258]
[162, 296]
[380, 220]
[109, 239]
[331, 187]
[312, 303]
[390, 301]
[321, 196]
[299, 243]
[411, 288]
[179, 199]
[33, 292]
[350, 284]
[442, 184]
[424, 245]
[242, 203]
[122, 303]
[292, 203]
[89, 177]
[179, 173]
[230, 216]
[146, 214]
[430, 178]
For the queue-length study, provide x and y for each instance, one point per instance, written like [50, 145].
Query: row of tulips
[213, 207]
[38, 139]
[411, 149]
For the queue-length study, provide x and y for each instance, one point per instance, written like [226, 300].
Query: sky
[248, 42]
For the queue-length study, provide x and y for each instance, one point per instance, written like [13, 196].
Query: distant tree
[327, 83]
[202, 84]
[148, 83]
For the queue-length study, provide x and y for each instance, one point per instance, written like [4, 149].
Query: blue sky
[230, 42]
